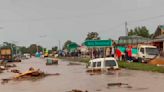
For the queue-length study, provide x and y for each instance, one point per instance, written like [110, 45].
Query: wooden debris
[116, 84]
[119, 85]
[31, 74]
[15, 71]
[76, 90]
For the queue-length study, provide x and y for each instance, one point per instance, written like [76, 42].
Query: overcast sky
[47, 21]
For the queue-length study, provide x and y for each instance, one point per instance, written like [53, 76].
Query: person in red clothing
[118, 54]
[129, 53]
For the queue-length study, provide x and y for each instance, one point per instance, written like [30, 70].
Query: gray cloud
[47, 21]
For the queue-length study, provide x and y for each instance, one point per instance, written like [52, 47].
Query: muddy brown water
[75, 77]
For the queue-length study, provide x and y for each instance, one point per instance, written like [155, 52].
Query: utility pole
[59, 45]
[16, 47]
[126, 28]
[37, 49]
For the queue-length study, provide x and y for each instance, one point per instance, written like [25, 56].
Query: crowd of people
[114, 52]
[102, 52]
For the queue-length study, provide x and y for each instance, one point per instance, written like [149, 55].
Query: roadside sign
[98, 43]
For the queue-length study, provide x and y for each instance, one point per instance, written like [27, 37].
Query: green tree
[33, 48]
[66, 44]
[50, 51]
[7, 44]
[23, 49]
[55, 48]
[139, 31]
[92, 36]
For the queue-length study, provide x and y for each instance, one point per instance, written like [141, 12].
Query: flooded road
[75, 77]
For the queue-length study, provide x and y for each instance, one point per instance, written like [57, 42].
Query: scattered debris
[31, 74]
[157, 61]
[15, 71]
[2, 68]
[5, 66]
[76, 90]
[52, 61]
[17, 60]
[5, 81]
[11, 65]
[2, 62]
[118, 85]
[124, 85]
[74, 63]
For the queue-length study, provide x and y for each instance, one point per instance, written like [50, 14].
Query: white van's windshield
[152, 51]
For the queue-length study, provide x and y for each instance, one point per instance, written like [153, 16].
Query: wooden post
[92, 53]
[104, 52]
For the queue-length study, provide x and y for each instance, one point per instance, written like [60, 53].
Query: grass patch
[141, 66]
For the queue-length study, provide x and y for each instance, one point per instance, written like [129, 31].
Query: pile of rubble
[157, 61]
[5, 66]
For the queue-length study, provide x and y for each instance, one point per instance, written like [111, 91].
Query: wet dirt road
[75, 77]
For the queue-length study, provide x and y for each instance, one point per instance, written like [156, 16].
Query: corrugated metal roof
[161, 27]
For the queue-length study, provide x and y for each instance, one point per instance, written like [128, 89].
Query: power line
[146, 19]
